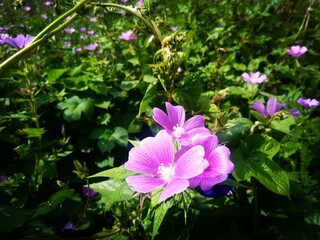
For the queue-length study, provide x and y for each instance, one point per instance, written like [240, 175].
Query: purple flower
[1, 4]
[216, 162]
[69, 30]
[48, 3]
[94, 19]
[20, 41]
[67, 44]
[27, 8]
[272, 107]
[254, 78]
[44, 16]
[88, 191]
[83, 29]
[297, 51]
[91, 32]
[217, 191]
[69, 226]
[156, 160]
[179, 70]
[176, 126]
[174, 28]
[3, 36]
[294, 112]
[139, 3]
[78, 49]
[128, 36]
[124, 1]
[91, 47]
[308, 103]
[4, 178]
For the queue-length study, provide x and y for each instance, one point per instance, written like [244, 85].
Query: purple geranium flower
[217, 191]
[69, 226]
[27, 8]
[139, 3]
[272, 107]
[20, 41]
[48, 3]
[3, 36]
[88, 191]
[91, 47]
[91, 32]
[69, 30]
[294, 112]
[44, 16]
[254, 78]
[128, 36]
[216, 162]
[308, 103]
[175, 125]
[156, 158]
[297, 51]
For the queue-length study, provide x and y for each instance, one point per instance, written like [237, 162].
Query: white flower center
[177, 131]
[205, 164]
[166, 173]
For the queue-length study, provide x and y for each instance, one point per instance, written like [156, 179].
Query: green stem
[17, 56]
[133, 11]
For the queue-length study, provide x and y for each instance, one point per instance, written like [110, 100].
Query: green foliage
[66, 117]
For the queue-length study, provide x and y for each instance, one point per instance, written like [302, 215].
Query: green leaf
[73, 108]
[283, 125]
[115, 173]
[55, 74]
[159, 214]
[112, 191]
[128, 85]
[266, 171]
[34, 132]
[147, 98]
[11, 218]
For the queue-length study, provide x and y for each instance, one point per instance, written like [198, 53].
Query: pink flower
[156, 160]
[69, 30]
[128, 36]
[44, 16]
[48, 3]
[139, 3]
[78, 49]
[67, 44]
[91, 32]
[254, 78]
[272, 107]
[83, 29]
[308, 103]
[216, 162]
[123, 1]
[27, 8]
[91, 47]
[176, 126]
[3, 36]
[179, 70]
[297, 51]
[93, 19]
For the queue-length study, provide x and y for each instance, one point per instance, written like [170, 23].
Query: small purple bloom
[272, 107]
[1, 4]
[155, 158]
[83, 29]
[176, 126]
[94, 19]
[139, 3]
[20, 41]
[44, 16]
[78, 49]
[4, 178]
[124, 1]
[217, 191]
[48, 3]
[174, 28]
[294, 112]
[179, 70]
[69, 30]
[27, 8]
[216, 162]
[254, 78]
[67, 44]
[91, 47]
[69, 226]
[297, 51]
[88, 191]
[83, 37]
[3, 36]
[308, 103]
[91, 32]
[128, 36]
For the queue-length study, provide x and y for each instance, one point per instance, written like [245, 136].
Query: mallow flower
[254, 78]
[176, 126]
[294, 112]
[297, 51]
[86, 191]
[308, 103]
[128, 36]
[3, 36]
[271, 109]
[216, 162]
[19, 41]
[156, 159]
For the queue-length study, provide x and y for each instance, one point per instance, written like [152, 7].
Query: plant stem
[133, 11]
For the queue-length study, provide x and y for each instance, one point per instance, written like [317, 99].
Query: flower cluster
[184, 154]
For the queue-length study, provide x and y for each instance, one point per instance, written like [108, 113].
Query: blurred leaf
[11, 218]
[147, 98]
[159, 214]
[115, 173]
[73, 108]
[55, 74]
[283, 125]
[34, 132]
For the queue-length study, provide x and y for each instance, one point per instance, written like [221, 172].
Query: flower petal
[173, 187]
[207, 183]
[260, 108]
[246, 77]
[194, 182]
[271, 106]
[153, 152]
[162, 119]
[219, 161]
[176, 114]
[144, 184]
[190, 163]
[194, 122]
